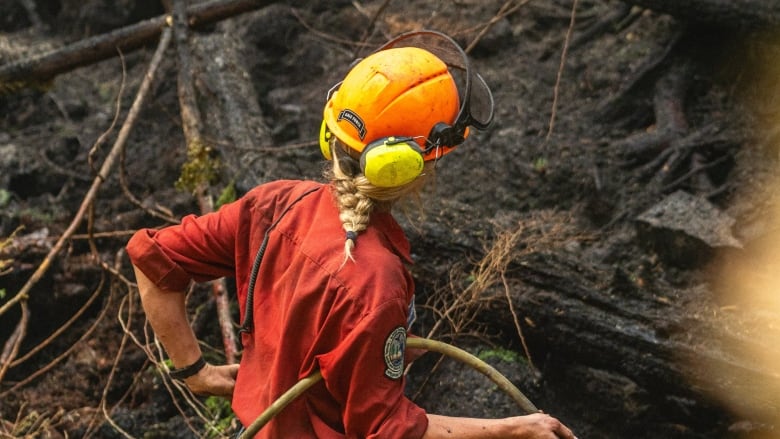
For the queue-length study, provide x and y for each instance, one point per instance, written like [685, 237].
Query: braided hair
[357, 198]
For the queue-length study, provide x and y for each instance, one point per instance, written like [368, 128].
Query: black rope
[248, 322]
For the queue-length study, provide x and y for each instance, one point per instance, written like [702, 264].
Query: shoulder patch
[395, 346]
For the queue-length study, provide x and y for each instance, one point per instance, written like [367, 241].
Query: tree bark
[191, 125]
[743, 14]
[232, 113]
[88, 51]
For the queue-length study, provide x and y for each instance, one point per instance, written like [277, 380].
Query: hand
[533, 426]
[539, 426]
[214, 380]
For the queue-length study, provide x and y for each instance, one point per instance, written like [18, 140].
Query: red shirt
[311, 310]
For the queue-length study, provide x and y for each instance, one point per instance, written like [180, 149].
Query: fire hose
[414, 343]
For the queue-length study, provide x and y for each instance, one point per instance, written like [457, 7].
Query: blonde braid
[356, 197]
[354, 207]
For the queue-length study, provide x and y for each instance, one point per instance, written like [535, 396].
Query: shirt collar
[392, 233]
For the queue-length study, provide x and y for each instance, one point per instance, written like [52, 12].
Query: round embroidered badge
[395, 345]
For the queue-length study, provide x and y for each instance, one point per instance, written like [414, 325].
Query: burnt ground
[564, 160]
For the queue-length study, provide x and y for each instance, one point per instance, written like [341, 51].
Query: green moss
[11, 87]
[201, 169]
[540, 165]
[5, 197]
[502, 354]
[37, 215]
[5, 264]
[228, 195]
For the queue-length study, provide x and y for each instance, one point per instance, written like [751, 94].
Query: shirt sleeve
[199, 249]
[365, 374]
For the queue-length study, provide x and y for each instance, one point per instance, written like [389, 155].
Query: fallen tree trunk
[232, 114]
[640, 357]
[744, 14]
[192, 124]
[88, 51]
[645, 357]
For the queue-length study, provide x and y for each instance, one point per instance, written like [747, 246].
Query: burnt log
[46, 66]
[593, 322]
[236, 122]
[742, 14]
[615, 340]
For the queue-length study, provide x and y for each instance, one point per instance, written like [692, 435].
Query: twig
[506, 9]
[693, 171]
[117, 111]
[516, 321]
[279, 149]
[190, 116]
[22, 295]
[610, 20]
[157, 213]
[122, 344]
[11, 348]
[156, 357]
[62, 328]
[564, 53]
[114, 234]
[372, 22]
[325, 36]
[62, 356]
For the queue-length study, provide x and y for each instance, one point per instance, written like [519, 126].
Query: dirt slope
[556, 163]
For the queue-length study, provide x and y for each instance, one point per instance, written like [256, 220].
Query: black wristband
[186, 372]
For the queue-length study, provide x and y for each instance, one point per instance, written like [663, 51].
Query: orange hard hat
[397, 92]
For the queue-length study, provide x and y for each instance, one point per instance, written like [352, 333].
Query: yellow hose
[414, 343]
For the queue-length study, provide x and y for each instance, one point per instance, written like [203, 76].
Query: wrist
[185, 372]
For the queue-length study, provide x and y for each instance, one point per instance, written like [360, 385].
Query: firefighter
[321, 268]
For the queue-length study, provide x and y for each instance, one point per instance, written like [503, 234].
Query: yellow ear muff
[325, 136]
[391, 161]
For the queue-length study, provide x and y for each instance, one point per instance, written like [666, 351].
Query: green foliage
[37, 215]
[5, 197]
[220, 417]
[31, 425]
[540, 165]
[502, 354]
[10, 87]
[201, 169]
[228, 195]
[6, 263]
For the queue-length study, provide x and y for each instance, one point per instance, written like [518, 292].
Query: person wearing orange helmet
[310, 297]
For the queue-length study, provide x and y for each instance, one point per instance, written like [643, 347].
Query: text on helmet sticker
[354, 120]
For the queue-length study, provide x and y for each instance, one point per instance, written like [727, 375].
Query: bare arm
[535, 426]
[167, 314]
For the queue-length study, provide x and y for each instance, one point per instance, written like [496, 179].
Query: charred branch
[742, 14]
[85, 52]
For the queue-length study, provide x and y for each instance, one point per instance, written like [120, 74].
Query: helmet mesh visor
[476, 98]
